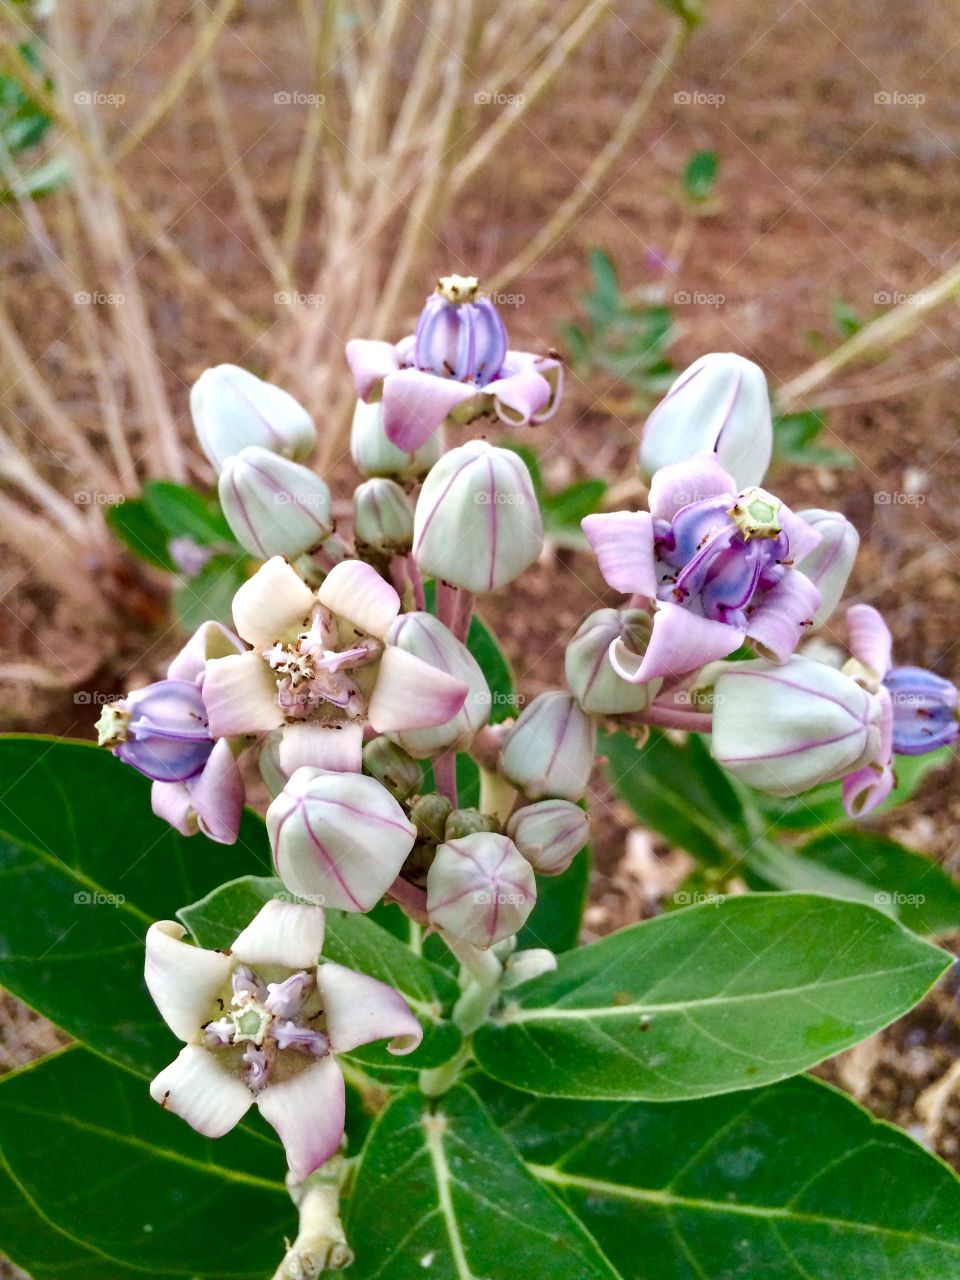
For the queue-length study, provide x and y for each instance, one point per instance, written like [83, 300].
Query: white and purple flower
[261, 1023]
[456, 365]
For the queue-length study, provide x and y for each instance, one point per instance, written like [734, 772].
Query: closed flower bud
[477, 521]
[392, 767]
[719, 405]
[549, 753]
[549, 834]
[374, 455]
[338, 839]
[597, 686]
[786, 728]
[161, 730]
[232, 409]
[466, 822]
[429, 815]
[383, 517]
[524, 965]
[828, 565]
[480, 889]
[274, 507]
[427, 638]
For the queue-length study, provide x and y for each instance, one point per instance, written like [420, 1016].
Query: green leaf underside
[76, 834]
[709, 999]
[441, 1193]
[98, 1181]
[355, 941]
[793, 1180]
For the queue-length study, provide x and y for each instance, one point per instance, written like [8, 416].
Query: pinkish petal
[622, 541]
[240, 695]
[210, 640]
[360, 1010]
[518, 396]
[870, 641]
[692, 480]
[183, 980]
[201, 1092]
[370, 362]
[777, 625]
[171, 802]
[273, 604]
[410, 694]
[317, 746]
[287, 934]
[552, 370]
[416, 403]
[680, 642]
[355, 591]
[217, 795]
[865, 789]
[801, 536]
[307, 1112]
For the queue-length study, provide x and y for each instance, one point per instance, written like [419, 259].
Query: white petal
[410, 694]
[184, 980]
[195, 1088]
[240, 696]
[307, 1112]
[355, 591]
[359, 1010]
[317, 746]
[282, 933]
[210, 640]
[273, 603]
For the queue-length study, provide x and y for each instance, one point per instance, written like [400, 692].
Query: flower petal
[317, 746]
[778, 624]
[307, 1112]
[680, 642]
[870, 641]
[416, 403]
[240, 695]
[273, 603]
[289, 934]
[183, 980]
[355, 591]
[210, 640]
[865, 789]
[201, 1092]
[622, 541]
[360, 1010]
[692, 480]
[520, 395]
[410, 694]
[217, 795]
[171, 802]
[370, 362]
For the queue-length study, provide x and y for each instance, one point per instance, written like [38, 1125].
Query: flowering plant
[386, 970]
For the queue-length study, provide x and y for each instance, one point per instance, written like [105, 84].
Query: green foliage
[700, 176]
[23, 126]
[795, 437]
[555, 920]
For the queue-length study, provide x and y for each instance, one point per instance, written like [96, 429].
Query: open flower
[719, 564]
[457, 365]
[261, 1024]
[321, 667]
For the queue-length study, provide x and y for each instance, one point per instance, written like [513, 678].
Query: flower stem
[445, 775]
[320, 1244]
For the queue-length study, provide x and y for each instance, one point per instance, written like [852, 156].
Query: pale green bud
[275, 507]
[429, 815]
[374, 455]
[480, 889]
[383, 517]
[466, 822]
[391, 766]
[549, 834]
[549, 752]
[232, 409]
[598, 688]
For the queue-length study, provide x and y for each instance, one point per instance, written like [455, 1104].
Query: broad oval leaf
[709, 999]
[440, 1192]
[555, 920]
[792, 1180]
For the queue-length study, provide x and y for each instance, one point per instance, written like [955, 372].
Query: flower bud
[392, 767]
[459, 334]
[383, 517]
[549, 753]
[480, 889]
[429, 814]
[374, 455]
[232, 409]
[466, 822]
[719, 405]
[924, 710]
[524, 965]
[427, 638]
[477, 522]
[828, 565]
[549, 834]
[338, 839]
[274, 507]
[160, 730]
[597, 686]
[786, 728]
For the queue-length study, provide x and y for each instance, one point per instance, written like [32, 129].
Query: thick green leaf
[709, 999]
[184, 513]
[101, 1182]
[139, 531]
[555, 921]
[85, 869]
[679, 792]
[209, 594]
[794, 1180]
[439, 1192]
[352, 940]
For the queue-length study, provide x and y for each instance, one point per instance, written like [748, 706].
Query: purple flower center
[924, 710]
[465, 340]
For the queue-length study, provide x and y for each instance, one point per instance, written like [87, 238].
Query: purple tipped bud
[924, 710]
[374, 455]
[549, 753]
[597, 686]
[232, 409]
[383, 517]
[160, 730]
[477, 522]
[275, 507]
[480, 889]
[829, 564]
[786, 728]
[459, 334]
[549, 834]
